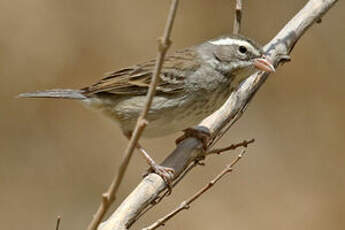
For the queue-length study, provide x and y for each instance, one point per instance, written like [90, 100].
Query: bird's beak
[264, 65]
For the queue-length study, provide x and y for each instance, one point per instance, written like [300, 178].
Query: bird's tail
[55, 93]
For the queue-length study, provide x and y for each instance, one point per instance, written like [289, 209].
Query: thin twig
[186, 204]
[244, 143]
[109, 197]
[58, 220]
[238, 17]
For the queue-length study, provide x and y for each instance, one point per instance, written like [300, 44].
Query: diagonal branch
[196, 162]
[188, 150]
[109, 197]
[186, 204]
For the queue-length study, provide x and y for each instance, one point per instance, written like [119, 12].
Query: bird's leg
[166, 173]
[199, 133]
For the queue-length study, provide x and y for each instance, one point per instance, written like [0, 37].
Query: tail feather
[55, 93]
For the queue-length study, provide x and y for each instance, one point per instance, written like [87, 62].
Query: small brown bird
[194, 83]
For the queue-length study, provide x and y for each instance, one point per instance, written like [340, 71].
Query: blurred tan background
[57, 157]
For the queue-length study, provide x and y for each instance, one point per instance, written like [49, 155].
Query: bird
[193, 83]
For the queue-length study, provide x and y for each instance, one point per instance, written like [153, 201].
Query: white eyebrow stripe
[229, 41]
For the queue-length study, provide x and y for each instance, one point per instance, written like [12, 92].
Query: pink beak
[264, 65]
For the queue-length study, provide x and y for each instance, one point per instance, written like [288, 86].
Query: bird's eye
[242, 49]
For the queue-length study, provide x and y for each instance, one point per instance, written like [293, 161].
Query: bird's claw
[167, 174]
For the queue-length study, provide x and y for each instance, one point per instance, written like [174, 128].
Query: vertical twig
[238, 17]
[110, 195]
[58, 220]
[186, 204]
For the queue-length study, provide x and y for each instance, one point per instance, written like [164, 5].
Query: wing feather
[136, 80]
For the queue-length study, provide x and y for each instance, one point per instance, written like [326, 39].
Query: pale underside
[166, 116]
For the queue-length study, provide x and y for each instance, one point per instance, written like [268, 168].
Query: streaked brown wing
[135, 80]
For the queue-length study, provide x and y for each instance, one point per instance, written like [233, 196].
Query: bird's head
[236, 55]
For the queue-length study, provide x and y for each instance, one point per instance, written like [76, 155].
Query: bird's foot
[167, 174]
[199, 133]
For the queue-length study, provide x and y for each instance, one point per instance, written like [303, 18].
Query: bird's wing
[135, 80]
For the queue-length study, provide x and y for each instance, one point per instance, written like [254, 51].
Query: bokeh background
[57, 156]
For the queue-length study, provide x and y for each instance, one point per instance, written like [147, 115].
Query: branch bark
[277, 50]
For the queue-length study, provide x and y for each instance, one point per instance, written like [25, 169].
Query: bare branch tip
[246, 143]
[105, 198]
[238, 17]
[242, 153]
[58, 220]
